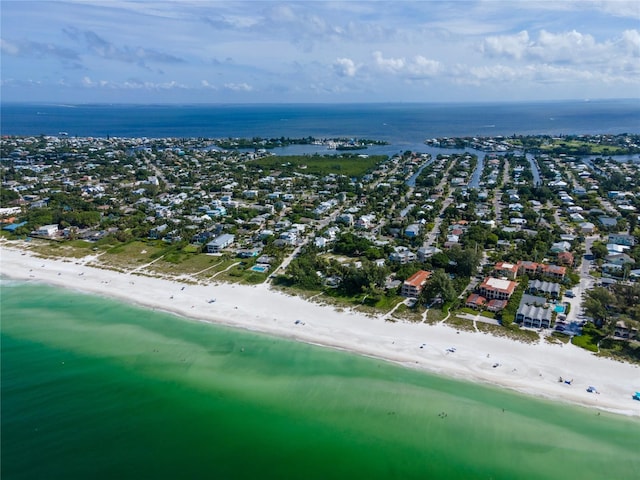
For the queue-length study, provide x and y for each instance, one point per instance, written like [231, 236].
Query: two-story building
[217, 244]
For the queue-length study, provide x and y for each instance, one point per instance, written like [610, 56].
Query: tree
[467, 260]
[302, 271]
[7, 196]
[599, 250]
[439, 284]
[599, 303]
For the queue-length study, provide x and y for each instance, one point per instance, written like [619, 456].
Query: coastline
[525, 368]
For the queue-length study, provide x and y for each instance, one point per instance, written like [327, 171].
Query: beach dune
[528, 368]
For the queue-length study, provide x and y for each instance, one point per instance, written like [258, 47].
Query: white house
[217, 244]
[47, 230]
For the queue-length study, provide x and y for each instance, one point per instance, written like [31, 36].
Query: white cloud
[390, 65]
[506, 45]
[496, 73]
[206, 84]
[419, 67]
[422, 67]
[277, 50]
[137, 84]
[238, 87]
[571, 47]
[631, 42]
[620, 8]
[8, 47]
[345, 67]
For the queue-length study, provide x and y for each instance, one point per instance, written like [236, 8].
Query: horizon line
[236, 104]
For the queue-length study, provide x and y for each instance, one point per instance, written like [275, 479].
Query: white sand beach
[532, 369]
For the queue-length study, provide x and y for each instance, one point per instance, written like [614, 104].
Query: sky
[120, 51]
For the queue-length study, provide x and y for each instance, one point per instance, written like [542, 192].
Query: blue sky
[118, 51]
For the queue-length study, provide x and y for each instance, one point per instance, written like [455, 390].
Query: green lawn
[350, 165]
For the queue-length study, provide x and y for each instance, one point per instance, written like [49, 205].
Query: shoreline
[531, 369]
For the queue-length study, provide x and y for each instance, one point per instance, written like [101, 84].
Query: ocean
[400, 124]
[92, 388]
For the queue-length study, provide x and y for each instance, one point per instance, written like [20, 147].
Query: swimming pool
[559, 308]
[260, 268]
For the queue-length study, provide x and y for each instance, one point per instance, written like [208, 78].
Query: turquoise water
[92, 388]
[259, 268]
[559, 308]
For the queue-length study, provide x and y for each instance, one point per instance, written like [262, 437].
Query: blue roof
[14, 226]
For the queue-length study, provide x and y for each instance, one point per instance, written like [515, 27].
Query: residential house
[622, 330]
[250, 194]
[619, 259]
[413, 285]
[622, 239]
[402, 255]
[562, 246]
[537, 287]
[217, 244]
[533, 316]
[505, 269]
[496, 305]
[202, 237]
[533, 268]
[475, 301]
[554, 271]
[365, 222]
[497, 288]
[412, 230]
[565, 258]
[157, 232]
[345, 218]
[533, 312]
[249, 252]
[426, 252]
[587, 228]
[608, 222]
[528, 268]
[47, 230]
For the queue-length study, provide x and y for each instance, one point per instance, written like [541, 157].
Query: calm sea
[400, 124]
[95, 389]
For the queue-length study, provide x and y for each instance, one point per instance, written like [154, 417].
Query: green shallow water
[92, 388]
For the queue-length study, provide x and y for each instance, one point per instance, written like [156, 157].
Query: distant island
[622, 144]
[270, 143]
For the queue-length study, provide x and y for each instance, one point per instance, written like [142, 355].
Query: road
[497, 202]
[586, 282]
[431, 237]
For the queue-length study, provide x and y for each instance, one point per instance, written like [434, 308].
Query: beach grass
[620, 350]
[460, 323]
[557, 337]
[409, 314]
[434, 315]
[186, 263]
[515, 333]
